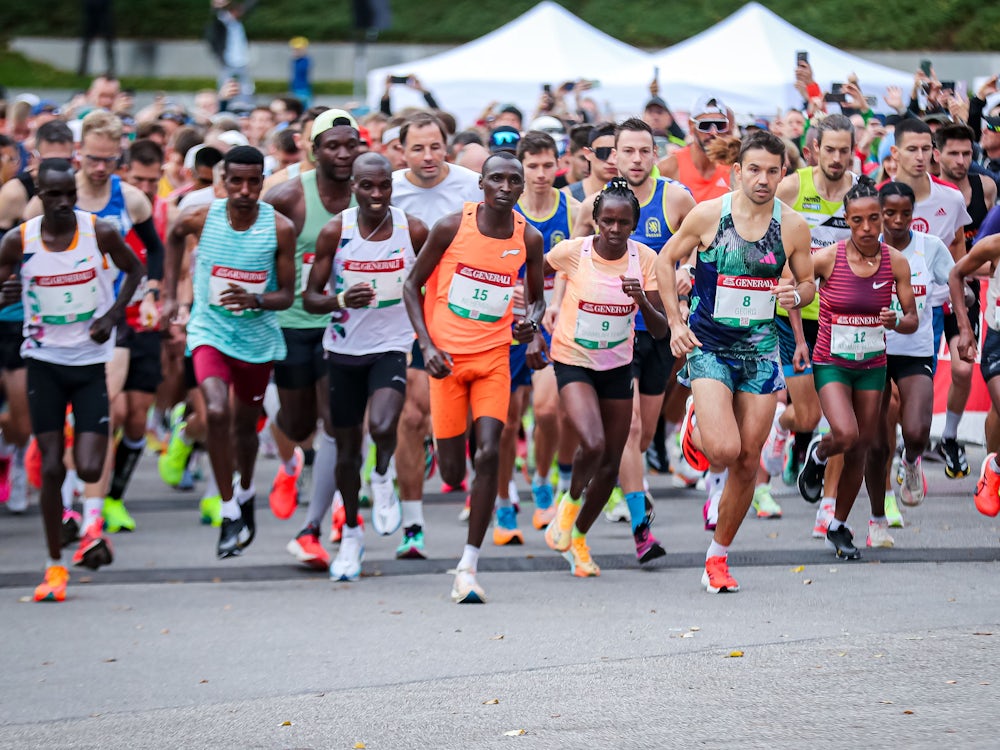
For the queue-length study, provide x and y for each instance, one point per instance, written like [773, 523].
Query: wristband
[341, 302]
[258, 300]
[798, 297]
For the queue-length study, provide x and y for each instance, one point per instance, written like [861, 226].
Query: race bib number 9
[856, 337]
[255, 282]
[386, 277]
[65, 298]
[743, 301]
[603, 326]
[480, 295]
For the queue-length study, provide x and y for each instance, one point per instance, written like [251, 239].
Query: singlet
[115, 211]
[63, 293]
[701, 188]
[732, 308]
[384, 326]
[930, 263]
[132, 240]
[850, 329]
[576, 190]
[244, 258]
[595, 328]
[316, 217]
[977, 209]
[468, 303]
[654, 227]
[555, 228]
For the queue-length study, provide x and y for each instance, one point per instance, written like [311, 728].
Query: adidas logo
[941, 212]
[722, 182]
[769, 259]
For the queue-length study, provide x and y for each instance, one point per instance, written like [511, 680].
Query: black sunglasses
[602, 152]
[705, 126]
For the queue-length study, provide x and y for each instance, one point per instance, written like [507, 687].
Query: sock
[828, 503]
[243, 495]
[470, 558]
[994, 465]
[51, 563]
[835, 524]
[877, 519]
[504, 502]
[815, 453]
[154, 418]
[823, 425]
[577, 534]
[291, 464]
[572, 501]
[353, 531]
[92, 508]
[127, 456]
[636, 502]
[413, 513]
[951, 420]
[231, 509]
[716, 550]
[539, 479]
[211, 488]
[565, 475]
[324, 480]
[380, 478]
[69, 489]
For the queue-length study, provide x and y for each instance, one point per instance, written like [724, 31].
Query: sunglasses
[603, 153]
[505, 138]
[706, 126]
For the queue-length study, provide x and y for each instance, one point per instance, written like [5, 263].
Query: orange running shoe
[339, 521]
[284, 497]
[716, 577]
[53, 588]
[580, 562]
[505, 529]
[307, 550]
[692, 454]
[559, 534]
[988, 489]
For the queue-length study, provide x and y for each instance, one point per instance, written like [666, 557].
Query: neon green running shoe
[173, 461]
[211, 510]
[116, 517]
[892, 514]
[616, 509]
[764, 503]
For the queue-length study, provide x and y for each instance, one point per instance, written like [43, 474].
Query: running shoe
[956, 465]
[307, 550]
[684, 477]
[505, 529]
[187, 481]
[347, 565]
[70, 530]
[460, 487]
[841, 541]
[716, 578]
[210, 510]
[387, 511]
[824, 514]
[430, 458]
[173, 461]
[284, 497]
[95, 548]
[913, 485]
[559, 533]
[616, 509]
[580, 562]
[657, 460]
[695, 458]
[545, 508]
[647, 547]
[790, 472]
[463, 515]
[412, 546]
[710, 510]
[116, 516]
[878, 534]
[339, 520]
[810, 478]
[233, 537]
[5, 463]
[988, 489]
[764, 503]
[772, 457]
[17, 503]
[247, 511]
[53, 588]
[892, 514]
[466, 590]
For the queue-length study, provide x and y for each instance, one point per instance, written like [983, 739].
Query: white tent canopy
[548, 44]
[748, 59]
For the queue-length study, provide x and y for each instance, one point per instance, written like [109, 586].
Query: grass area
[856, 24]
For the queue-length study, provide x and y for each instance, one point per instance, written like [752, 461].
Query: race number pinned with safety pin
[603, 326]
[856, 337]
[65, 298]
[480, 295]
[255, 282]
[743, 301]
[385, 277]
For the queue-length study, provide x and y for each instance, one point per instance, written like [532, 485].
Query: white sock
[815, 452]
[539, 480]
[211, 488]
[231, 509]
[994, 465]
[715, 480]
[379, 478]
[68, 489]
[241, 495]
[877, 519]
[716, 550]
[504, 502]
[470, 558]
[413, 513]
[835, 524]
[778, 411]
[828, 502]
[92, 508]
[951, 420]
[291, 464]
[353, 532]
[51, 563]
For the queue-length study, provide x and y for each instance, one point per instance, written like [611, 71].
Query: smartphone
[547, 88]
[400, 79]
[656, 73]
[948, 86]
[925, 67]
[836, 95]
[801, 57]
[569, 85]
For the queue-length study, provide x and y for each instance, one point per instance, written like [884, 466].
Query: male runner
[365, 255]
[599, 153]
[691, 165]
[62, 267]
[730, 339]
[463, 323]
[244, 271]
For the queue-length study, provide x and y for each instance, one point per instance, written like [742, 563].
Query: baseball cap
[331, 118]
[233, 138]
[991, 123]
[45, 106]
[656, 101]
[937, 117]
[547, 124]
[705, 106]
[504, 138]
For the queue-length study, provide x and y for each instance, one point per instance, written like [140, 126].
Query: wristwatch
[258, 301]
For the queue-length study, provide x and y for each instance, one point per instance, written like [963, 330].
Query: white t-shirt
[930, 263]
[942, 213]
[430, 205]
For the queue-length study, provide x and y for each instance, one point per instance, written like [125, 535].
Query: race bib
[743, 301]
[550, 286]
[480, 295]
[255, 282]
[386, 277]
[65, 298]
[603, 326]
[307, 266]
[919, 296]
[856, 337]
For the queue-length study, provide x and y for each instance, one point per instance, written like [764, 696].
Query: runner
[849, 361]
[365, 255]
[233, 333]
[731, 345]
[58, 266]
[609, 277]
[463, 323]
[600, 152]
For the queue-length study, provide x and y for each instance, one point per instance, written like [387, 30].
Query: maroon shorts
[248, 380]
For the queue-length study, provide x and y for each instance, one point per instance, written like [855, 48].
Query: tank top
[132, 318]
[244, 258]
[732, 308]
[115, 211]
[554, 228]
[316, 217]
[595, 328]
[850, 330]
[576, 190]
[701, 188]
[63, 293]
[654, 228]
[920, 343]
[468, 303]
[384, 326]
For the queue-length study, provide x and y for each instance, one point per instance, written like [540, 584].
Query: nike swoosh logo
[879, 286]
[505, 253]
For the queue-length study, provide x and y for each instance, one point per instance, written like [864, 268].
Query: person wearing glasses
[691, 165]
[10, 159]
[599, 153]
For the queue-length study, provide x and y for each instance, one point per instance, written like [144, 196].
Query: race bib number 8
[65, 298]
[856, 337]
[480, 295]
[603, 326]
[743, 301]
[255, 282]
[386, 278]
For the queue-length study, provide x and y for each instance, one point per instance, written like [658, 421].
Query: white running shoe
[466, 589]
[878, 534]
[347, 565]
[824, 514]
[772, 457]
[387, 511]
[913, 485]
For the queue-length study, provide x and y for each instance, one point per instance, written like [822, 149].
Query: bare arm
[904, 292]
[527, 330]
[11, 253]
[188, 224]
[13, 200]
[111, 243]
[584, 224]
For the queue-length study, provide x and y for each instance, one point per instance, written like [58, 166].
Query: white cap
[547, 124]
[233, 138]
[191, 153]
[709, 105]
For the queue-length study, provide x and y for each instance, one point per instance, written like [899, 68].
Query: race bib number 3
[603, 326]
[255, 282]
[480, 295]
[386, 277]
[856, 337]
[743, 301]
[65, 298]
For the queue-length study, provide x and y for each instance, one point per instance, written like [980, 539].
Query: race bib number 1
[856, 337]
[255, 282]
[65, 298]
[480, 295]
[743, 301]
[386, 278]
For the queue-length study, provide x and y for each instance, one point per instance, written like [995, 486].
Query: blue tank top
[654, 228]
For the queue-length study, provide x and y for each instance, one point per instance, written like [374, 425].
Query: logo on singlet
[557, 237]
[505, 253]
[920, 225]
[653, 227]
